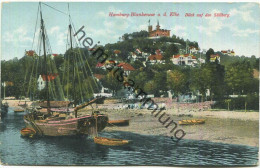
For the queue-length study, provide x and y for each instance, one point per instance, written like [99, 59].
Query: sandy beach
[221, 126]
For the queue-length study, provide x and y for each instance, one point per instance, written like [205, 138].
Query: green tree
[177, 81]
[110, 81]
[138, 64]
[150, 87]
[170, 51]
[239, 77]
[208, 54]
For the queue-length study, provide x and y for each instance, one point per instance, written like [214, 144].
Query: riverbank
[229, 127]
[16, 103]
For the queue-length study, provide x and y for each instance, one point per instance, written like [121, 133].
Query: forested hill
[139, 40]
[234, 74]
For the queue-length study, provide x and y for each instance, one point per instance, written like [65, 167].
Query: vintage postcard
[129, 84]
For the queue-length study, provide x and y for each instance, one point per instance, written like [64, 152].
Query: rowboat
[118, 122]
[28, 132]
[110, 141]
[18, 110]
[192, 122]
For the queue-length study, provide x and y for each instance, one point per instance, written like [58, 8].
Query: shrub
[251, 101]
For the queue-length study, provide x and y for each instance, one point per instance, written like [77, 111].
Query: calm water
[145, 150]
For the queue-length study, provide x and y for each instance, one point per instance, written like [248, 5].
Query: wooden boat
[110, 141]
[27, 132]
[192, 122]
[60, 126]
[18, 110]
[118, 122]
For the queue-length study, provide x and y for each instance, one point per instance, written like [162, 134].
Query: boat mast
[74, 93]
[45, 65]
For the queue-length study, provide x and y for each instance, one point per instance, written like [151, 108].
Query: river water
[144, 150]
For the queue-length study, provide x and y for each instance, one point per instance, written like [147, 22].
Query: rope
[55, 9]
[35, 25]
[79, 83]
[31, 120]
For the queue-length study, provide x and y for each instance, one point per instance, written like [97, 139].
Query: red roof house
[50, 77]
[99, 65]
[126, 66]
[99, 76]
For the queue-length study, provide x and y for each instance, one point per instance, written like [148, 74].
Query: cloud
[179, 28]
[243, 33]
[244, 11]
[101, 14]
[213, 24]
[245, 15]
[60, 36]
[112, 26]
[179, 31]
[54, 29]
[16, 36]
[142, 27]
[248, 5]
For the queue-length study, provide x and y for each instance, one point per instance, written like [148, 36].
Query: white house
[214, 57]
[41, 83]
[228, 52]
[185, 59]
[126, 67]
[42, 80]
[105, 92]
[193, 50]
[157, 58]
[201, 60]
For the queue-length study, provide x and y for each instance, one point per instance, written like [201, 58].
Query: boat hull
[110, 141]
[19, 110]
[68, 127]
[192, 122]
[27, 132]
[118, 122]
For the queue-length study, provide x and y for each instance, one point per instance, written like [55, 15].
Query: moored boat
[18, 110]
[58, 117]
[27, 132]
[65, 124]
[118, 122]
[111, 141]
[192, 122]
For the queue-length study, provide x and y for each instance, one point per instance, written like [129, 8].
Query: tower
[158, 25]
[150, 28]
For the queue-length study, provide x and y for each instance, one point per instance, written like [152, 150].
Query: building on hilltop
[157, 32]
[214, 57]
[228, 52]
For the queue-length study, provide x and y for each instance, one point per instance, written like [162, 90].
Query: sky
[240, 31]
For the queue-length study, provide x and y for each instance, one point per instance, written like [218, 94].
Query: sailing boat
[53, 123]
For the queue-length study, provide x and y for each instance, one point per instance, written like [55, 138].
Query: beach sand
[221, 126]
